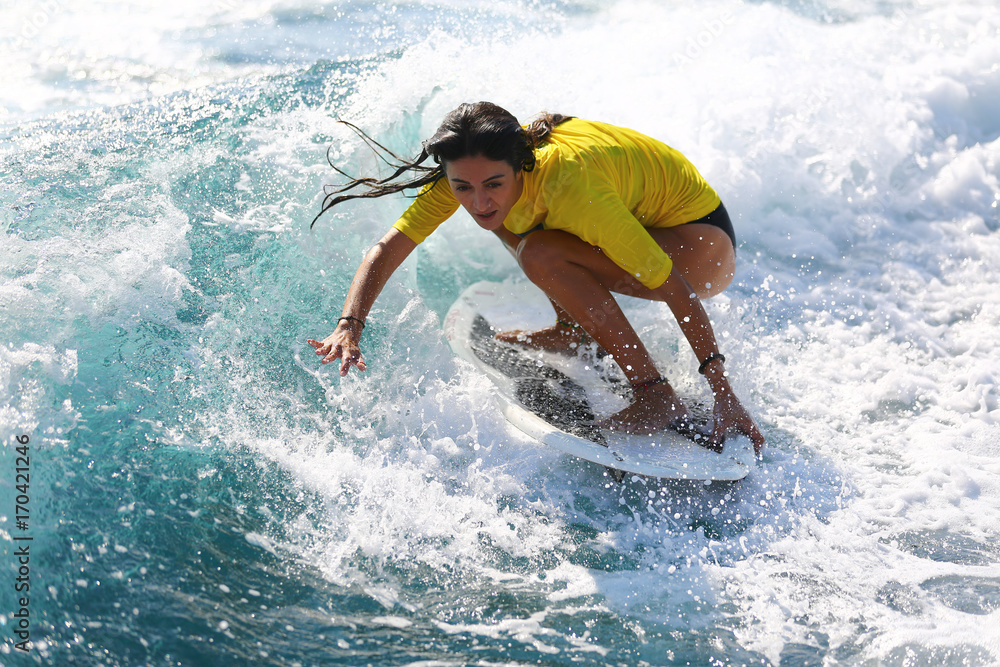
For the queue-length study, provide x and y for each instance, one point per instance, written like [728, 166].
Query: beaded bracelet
[642, 386]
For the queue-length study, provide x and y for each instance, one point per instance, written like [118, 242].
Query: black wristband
[351, 318]
[712, 357]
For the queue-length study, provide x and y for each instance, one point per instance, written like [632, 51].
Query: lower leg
[579, 294]
[655, 405]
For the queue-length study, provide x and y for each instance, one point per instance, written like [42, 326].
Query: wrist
[717, 378]
[351, 323]
[714, 359]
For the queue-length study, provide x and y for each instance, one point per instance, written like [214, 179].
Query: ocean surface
[181, 483]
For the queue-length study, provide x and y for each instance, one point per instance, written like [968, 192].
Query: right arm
[378, 265]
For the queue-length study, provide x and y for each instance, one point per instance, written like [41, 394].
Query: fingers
[347, 355]
[349, 360]
[756, 437]
[325, 350]
[743, 423]
[719, 428]
[746, 425]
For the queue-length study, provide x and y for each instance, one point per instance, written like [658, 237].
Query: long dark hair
[479, 129]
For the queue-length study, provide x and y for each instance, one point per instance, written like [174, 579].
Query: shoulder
[575, 132]
[559, 172]
[567, 147]
[579, 151]
[434, 204]
[597, 145]
[587, 132]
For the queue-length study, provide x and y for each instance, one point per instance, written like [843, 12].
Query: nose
[481, 201]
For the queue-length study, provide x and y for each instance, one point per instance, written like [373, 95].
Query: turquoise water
[202, 491]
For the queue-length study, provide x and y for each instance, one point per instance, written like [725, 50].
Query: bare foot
[652, 410]
[555, 338]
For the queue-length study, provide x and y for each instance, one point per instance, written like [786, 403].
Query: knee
[714, 276]
[540, 252]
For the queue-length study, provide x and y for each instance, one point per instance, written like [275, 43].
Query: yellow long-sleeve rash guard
[602, 183]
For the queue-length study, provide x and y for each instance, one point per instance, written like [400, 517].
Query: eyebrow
[485, 180]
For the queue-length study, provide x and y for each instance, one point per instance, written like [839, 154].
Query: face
[487, 189]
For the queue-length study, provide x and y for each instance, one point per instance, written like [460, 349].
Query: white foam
[861, 326]
[859, 158]
[29, 377]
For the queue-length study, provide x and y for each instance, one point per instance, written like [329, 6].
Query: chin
[493, 224]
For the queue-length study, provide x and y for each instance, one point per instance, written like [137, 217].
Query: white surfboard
[537, 394]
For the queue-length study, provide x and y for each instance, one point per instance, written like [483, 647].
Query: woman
[587, 209]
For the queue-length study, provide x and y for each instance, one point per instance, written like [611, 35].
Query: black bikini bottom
[719, 218]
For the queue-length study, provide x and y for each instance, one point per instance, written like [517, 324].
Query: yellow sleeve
[600, 218]
[434, 204]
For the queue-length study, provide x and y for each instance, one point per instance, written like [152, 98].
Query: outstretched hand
[729, 414]
[342, 346]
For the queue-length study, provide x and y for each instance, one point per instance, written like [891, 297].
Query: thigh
[702, 253]
[545, 254]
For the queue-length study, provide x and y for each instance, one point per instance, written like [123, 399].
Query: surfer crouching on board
[587, 209]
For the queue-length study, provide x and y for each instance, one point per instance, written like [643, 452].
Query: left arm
[696, 327]
[509, 239]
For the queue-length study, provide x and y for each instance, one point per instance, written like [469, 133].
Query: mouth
[486, 217]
